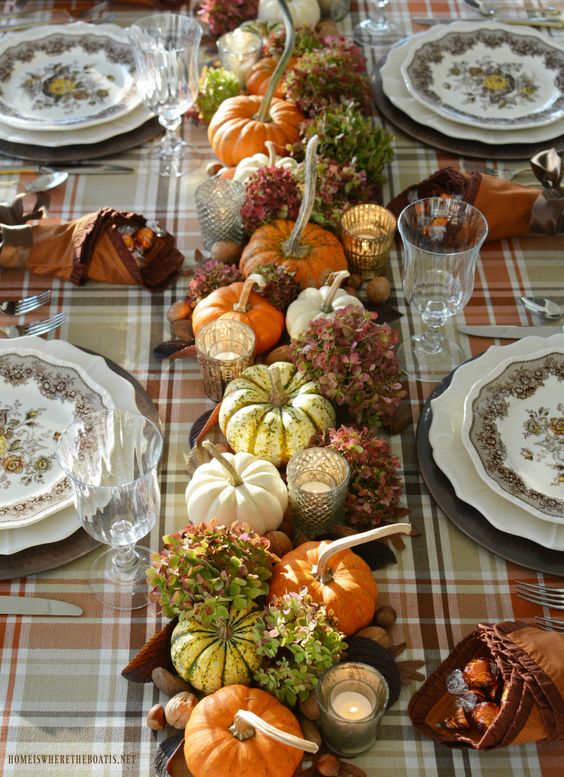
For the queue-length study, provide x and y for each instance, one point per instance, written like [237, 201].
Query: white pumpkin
[318, 303]
[237, 487]
[251, 164]
[305, 13]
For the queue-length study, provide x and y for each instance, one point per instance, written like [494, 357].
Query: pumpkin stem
[293, 246]
[263, 113]
[242, 305]
[321, 571]
[277, 394]
[271, 153]
[246, 724]
[233, 476]
[338, 278]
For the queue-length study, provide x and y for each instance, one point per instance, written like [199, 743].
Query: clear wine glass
[441, 240]
[111, 459]
[166, 47]
[378, 31]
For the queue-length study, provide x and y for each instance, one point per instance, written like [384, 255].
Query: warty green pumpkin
[273, 412]
[209, 657]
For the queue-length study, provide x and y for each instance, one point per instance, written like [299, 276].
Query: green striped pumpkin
[273, 412]
[209, 657]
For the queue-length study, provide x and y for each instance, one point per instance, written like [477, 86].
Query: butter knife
[31, 605]
[430, 21]
[93, 169]
[511, 332]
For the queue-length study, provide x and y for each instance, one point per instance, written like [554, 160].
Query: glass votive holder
[367, 234]
[352, 698]
[218, 205]
[318, 479]
[225, 348]
[238, 51]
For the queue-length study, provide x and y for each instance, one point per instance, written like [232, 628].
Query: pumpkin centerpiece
[241, 125]
[307, 250]
[317, 303]
[273, 412]
[243, 732]
[237, 487]
[239, 302]
[335, 576]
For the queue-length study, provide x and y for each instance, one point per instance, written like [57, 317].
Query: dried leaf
[386, 313]
[401, 512]
[189, 352]
[408, 671]
[397, 541]
[199, 256]
[167, 348]
[154, 653]
[397, 650]
[350, 770]
[169, 758]
[376, 554]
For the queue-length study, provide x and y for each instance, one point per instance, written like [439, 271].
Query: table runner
[66, 709]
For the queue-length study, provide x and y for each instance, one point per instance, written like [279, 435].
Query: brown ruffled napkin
[108, 246]
[531, 667]
[511, 210]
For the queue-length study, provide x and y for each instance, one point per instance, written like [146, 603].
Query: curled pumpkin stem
[232, 474]
[264, 110]
[246, 724]
[293, 246]
[338, 278]
[242, 305]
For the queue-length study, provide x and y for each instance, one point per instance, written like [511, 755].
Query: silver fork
[36, 327]
[25, 305]
[547, 596]
[550, 624]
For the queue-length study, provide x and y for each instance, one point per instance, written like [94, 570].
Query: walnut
[179, 708]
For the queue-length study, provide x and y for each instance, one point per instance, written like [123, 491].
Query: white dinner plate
[513, 431]
[39, 396]
[65, 522]
[487, 75]
[453, 460]
[396, 91]
[72, 75]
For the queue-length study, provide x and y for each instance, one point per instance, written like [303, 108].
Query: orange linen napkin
[531, 665]
[510, 209]
[92, 247]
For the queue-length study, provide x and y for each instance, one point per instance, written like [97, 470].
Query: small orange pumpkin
[259, 75]
[243, 732]
[334, 576]
[307, 250]
[237, 301]
[241, 125]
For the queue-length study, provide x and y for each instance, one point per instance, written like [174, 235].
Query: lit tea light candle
[351, 705]
[238, 51]
[316, 487]
[226, 356]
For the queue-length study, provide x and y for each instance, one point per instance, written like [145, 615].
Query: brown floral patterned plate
[39, 396]
[488, 75]
[513, 430]
[66, 76]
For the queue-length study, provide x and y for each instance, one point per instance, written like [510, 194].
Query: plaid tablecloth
[66, 709]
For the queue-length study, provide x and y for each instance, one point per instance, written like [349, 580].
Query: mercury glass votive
[352, 698]
[318, 479]
[367, 234]
[224, 348]
[238, 51]
[218, 205]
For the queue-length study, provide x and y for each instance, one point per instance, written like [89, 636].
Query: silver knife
[430, 21]
[511, 332]
[91, 169]
[31, 605]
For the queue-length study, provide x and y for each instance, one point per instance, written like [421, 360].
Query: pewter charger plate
[513, 430]
[489, 76]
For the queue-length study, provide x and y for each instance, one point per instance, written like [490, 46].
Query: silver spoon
[45, 182]
[491, 9]
[544, 307]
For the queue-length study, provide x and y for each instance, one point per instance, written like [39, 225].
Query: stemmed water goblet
[165, 47]
[110, 458]
[378, 31]
[441, 240]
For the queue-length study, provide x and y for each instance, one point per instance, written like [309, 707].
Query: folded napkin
[109, 246]
[530, 663]
[510, 209]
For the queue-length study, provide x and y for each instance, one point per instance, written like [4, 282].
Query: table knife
[31, 605]
[430, 21]
[511, 332]
[92, 169]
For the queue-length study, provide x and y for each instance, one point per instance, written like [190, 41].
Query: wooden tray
[31, 561]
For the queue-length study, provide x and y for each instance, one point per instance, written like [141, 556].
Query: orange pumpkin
[237, 301]
[307, 250]
[259, 75]
[334, 576]
[226, 736]
[241, 125]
